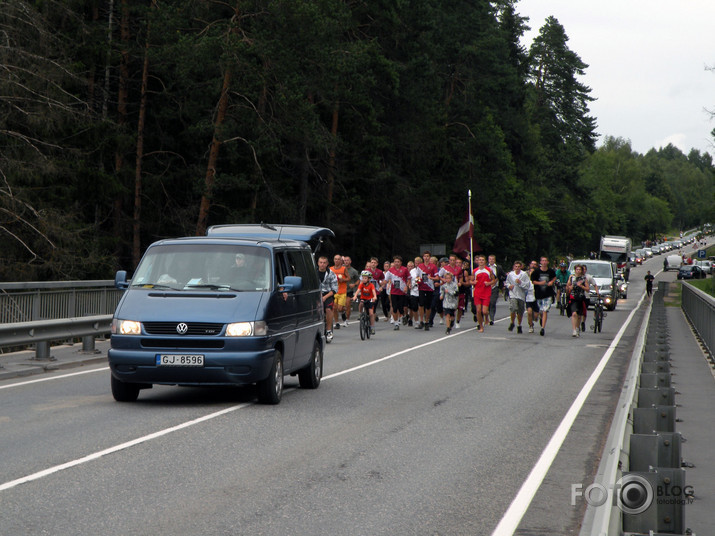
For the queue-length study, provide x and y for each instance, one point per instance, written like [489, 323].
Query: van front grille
[194, 329]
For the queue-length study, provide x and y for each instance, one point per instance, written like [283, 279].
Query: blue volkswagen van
[239, 306]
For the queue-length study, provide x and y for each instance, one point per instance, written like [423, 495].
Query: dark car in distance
[691, 271]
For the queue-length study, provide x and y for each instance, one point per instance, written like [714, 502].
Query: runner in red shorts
[483, 281]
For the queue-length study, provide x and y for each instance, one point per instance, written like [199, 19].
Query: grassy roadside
[706, 285]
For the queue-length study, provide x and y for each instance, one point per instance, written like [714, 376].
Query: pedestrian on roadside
[398, 277]
[414, 299]
[449, 293]
[649, 283]
[341, 296]
[543, 279]
[517, 284]
[426, 285]
[328, 288]
[352, 283]
[578, 289]
[500, 276]
[483, 280]
[440, 264]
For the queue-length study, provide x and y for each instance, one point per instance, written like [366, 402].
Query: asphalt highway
[411, 432]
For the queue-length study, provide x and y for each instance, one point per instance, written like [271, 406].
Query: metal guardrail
[699, 307]
[43, 300]
[38, 312]
[41, 332]
[605, 520]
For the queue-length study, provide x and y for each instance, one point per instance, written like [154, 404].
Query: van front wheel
[124, 392]
[270, 390]
[309, 377]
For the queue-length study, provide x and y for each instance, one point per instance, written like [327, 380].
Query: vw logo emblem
[182, 328]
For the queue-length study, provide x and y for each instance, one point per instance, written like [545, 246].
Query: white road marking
[19, 384]
[166, 431]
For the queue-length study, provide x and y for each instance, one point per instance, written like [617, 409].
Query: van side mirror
[291, 283]
[120, 280]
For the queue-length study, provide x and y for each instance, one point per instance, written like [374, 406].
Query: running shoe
[511, 327]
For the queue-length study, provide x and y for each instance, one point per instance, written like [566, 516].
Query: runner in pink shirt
[428, 275]
[399, 278]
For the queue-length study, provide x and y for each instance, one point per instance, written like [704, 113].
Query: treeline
[125, 121]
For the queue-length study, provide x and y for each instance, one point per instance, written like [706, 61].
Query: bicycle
[364, 320]
[563, 304]
[598, 314]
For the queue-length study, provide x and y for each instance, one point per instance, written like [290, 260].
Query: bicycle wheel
[600, 321]
[362, 327]
[367, 326]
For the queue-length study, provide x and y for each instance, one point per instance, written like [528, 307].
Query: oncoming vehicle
[617, 249]
[606, 277]
[239, 306]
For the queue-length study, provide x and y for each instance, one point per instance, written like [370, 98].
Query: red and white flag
[463, 245]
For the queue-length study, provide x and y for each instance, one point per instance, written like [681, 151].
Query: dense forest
[125, 121]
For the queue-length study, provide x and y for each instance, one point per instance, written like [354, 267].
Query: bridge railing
[36, 313]
[699, 307]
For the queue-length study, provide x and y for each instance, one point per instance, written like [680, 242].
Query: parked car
[707, 266]
[691, 271]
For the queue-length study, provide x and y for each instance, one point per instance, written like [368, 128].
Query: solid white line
[117, 448]
[521, 502]
[166, 431]
[19, 384]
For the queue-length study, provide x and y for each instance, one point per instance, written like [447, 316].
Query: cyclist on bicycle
[562, 277]
[367, 294]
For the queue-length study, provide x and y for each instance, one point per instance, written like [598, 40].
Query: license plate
[179, 360]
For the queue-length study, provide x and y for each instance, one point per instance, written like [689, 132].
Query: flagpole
[471, 235]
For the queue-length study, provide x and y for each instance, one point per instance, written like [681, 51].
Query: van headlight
[246, 329]
[126, 327]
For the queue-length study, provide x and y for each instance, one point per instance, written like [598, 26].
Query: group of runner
[428, 286]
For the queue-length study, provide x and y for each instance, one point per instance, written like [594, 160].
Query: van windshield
[205, 267]
[599, 270]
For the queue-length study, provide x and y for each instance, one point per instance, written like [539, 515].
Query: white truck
[617, 249]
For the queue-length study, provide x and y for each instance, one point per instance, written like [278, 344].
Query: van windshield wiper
[154, 285]
[213, 287]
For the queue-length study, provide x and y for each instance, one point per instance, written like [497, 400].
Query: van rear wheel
[270, 390]
[124, 392]
[309, 377]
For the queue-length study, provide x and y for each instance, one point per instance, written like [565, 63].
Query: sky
[647, 66]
